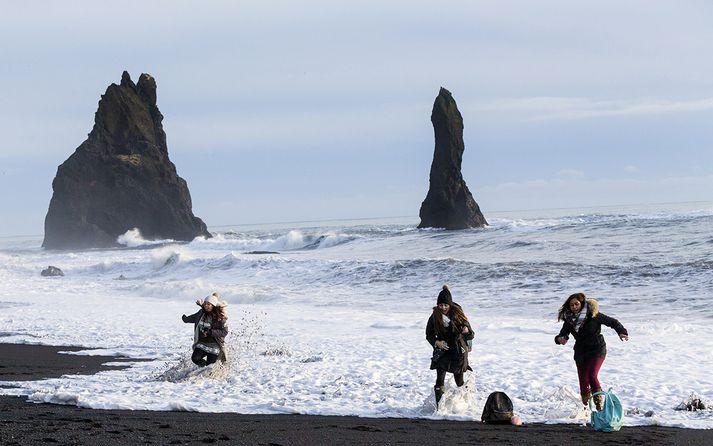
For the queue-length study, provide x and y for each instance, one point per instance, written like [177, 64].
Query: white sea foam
[133, 239]
[292, 240]
[331, 319]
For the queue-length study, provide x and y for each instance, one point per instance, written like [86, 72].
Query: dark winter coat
[589, 341]
[455, 359]
[218, 329]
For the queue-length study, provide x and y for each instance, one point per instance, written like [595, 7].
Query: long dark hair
[564, 309]
[455, 314]
[218, 312]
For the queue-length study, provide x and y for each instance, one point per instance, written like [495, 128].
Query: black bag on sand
[498, 409]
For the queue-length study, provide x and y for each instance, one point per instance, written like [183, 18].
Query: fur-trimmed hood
[592, 307]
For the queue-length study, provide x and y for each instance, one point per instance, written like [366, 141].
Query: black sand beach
[23, 423]
[22, 362]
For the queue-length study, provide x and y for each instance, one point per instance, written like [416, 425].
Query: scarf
[576, 320]
[204, 324]
[208, 344]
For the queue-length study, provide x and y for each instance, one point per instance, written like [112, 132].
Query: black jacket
[218, 330]
[589, 341]
[455, 359]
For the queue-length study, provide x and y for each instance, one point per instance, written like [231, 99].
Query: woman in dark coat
[210, 327]
[582, 319]
[450, 334]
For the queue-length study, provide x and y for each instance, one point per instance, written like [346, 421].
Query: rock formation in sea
[448, 204]
[51, 271]
[121, 178]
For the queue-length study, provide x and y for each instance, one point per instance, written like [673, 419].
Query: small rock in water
[172, 259]
[633, 411]
[649, 414]
[694, 403]
[277, 351]
[51, 271]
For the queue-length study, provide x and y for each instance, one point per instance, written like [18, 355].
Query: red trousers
[588, 371]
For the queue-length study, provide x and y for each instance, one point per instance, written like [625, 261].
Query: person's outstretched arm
[615, 324]
[563, 336]
[192, 319]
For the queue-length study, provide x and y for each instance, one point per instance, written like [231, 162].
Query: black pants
[441, 378]
[203, 358]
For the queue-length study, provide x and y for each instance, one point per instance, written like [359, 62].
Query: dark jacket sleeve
[612, 323]
[564, 332]
[219, 329]
[192, 319]
[431, 332]
[471, 334]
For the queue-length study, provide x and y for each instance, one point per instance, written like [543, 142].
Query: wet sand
[22, 362]
[23, 423]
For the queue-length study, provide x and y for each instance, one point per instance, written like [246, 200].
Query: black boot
[439, 394]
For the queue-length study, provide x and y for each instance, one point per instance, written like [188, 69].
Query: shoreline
[23, 422]
[30, 362]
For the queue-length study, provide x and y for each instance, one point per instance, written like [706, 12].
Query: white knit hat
[214, 299]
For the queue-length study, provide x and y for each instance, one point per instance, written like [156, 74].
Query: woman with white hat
[210, 330]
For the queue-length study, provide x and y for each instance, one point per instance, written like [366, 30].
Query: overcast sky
[287, 111]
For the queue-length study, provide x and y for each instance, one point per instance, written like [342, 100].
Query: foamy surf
[332, 320]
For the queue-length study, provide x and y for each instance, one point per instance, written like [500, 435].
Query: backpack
[497, 409]
[611, 417]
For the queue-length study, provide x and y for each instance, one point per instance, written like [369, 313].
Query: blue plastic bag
[611, 417]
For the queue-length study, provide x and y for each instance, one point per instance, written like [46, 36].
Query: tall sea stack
[121, 178]
[448, 204]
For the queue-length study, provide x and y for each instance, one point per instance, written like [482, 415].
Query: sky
[282, 111]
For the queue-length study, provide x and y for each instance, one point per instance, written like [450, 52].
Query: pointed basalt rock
[448, 204]
[121, 178]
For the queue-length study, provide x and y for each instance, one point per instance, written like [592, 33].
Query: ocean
[329, 317]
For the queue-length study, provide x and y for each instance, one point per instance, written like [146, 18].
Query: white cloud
[569, 108]
[570, 174]
[301, 130]
[577, 193]
[631, 169]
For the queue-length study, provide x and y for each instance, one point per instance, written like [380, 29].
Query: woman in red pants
[582, 319]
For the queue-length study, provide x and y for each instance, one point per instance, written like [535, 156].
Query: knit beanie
[444, 297]
[214, 299]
